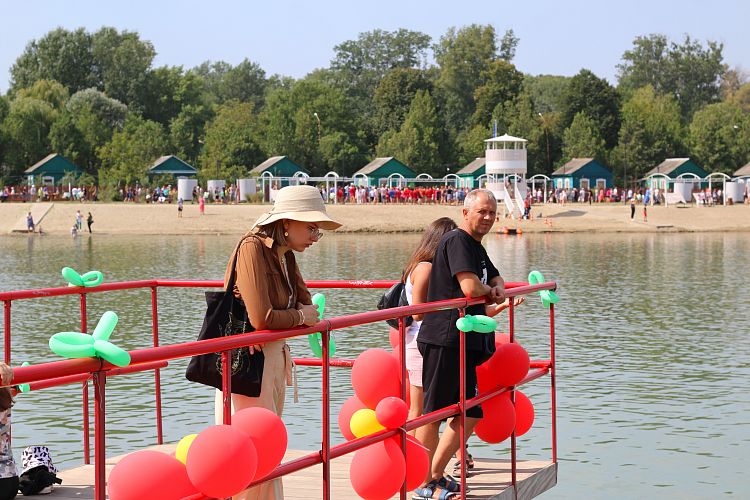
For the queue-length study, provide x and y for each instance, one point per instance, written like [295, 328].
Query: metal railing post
[85, 392]
[462, 403]
[552, 373]
[326, 438]
[404, 388]
[513, 462]
[100, 486]
[6, 331]
[226, 386]
[157, 372]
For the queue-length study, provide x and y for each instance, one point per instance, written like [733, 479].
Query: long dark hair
[425, 251]
[6, 399]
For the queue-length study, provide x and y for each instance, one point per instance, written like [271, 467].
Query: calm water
[653, 349]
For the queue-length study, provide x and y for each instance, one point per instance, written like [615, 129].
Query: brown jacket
[261, 284]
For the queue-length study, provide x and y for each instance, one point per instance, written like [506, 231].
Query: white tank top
[413, 329]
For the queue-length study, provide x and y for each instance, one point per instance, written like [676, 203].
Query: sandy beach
[120, 218]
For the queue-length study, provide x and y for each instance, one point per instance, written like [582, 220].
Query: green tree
[25, 131]
[393, 97]
[186, 131]
[598, 100]
[503, 83]
[688, 71]
[167, 90]
[583, 140]
[417, 142]
[547, 92]
[127, 157]
[60, 55]
[470, 143]
[719, 137]
[651, 131]
[66, 139]
[49, 91]
[245, 82]
[508, 46]
[742, 97]
[232, 144]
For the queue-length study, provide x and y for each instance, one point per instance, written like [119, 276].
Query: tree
[167, 90]
[60, 55]
[127, 157]
[232, 144]
[719, 137]
[742, 97]
[689, 71]
[417, 143]
[598, 100]
[651, 131]
[49, 91]
[245, 82]
[470, 143]
[394, 95]
[508, 46]
[25, 131]
[503, 83]
[583, 140]
[547, 92]
[67, 140]
[186, 131]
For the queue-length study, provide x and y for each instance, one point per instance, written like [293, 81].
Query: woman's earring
[286, 233]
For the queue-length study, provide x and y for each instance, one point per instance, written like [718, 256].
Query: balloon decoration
[377, 471]
[376, 375]
[221, 462]
[89, 279]
[348, 409]
[149, 474]
[524, 414]
[499, 420]
[417, 462]
[364, 422]
[183, 446]
[394, 339]
[24, 387]
[315, 340]
[392, 412]
[507, 366]
[477, 323]
[548, 296]
[269, 436]
[82, 345]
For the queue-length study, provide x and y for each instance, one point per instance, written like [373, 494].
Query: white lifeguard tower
[506, 169]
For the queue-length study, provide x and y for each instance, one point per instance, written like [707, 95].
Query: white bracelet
[301, 317]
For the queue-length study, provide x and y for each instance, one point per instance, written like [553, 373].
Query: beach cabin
[583, 173]
[668, 171]
[381, 170]
[52, 169]
[278, 166]
[469, 175]
[743, 172]
[171, 165]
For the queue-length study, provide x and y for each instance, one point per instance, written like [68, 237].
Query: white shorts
[414, 364]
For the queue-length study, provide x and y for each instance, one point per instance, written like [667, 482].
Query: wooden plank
[490, 479]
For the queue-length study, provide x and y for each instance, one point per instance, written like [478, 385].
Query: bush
[254, 198]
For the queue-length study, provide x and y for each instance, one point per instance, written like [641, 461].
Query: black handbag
[226, 315]
[395, 296]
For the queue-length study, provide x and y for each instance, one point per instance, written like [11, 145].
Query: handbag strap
[233, 273]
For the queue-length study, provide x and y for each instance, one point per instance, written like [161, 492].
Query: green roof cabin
[470, 173]
[52, 169]
[583, 173]
[674, 167]
[278, 166]
[171, 165]
[380, 169]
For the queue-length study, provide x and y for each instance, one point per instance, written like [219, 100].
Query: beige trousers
[277, 371]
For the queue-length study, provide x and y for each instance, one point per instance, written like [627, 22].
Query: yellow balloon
[364, 423]
[183, 446]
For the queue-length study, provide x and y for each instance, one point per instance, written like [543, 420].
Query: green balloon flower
[476, 323]
[315, 340]
[24, 387]
[548, 296]
[89, 279]
[76, 345]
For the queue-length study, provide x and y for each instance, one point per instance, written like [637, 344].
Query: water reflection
[652, 348]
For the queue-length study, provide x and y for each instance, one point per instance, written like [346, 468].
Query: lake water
[652, 338]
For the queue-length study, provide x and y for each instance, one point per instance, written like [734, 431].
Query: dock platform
[490, 479]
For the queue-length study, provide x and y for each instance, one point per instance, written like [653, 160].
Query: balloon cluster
[315, 340]
[219, 462]
[89, 279]
[82, 345]
[378, 471]
[548, 296]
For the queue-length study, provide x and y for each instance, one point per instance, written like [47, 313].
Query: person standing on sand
[202, 205]
[29, 223]
[645, 212]
[89, 221]
[632, 208]
[79, 220]
[179, 208]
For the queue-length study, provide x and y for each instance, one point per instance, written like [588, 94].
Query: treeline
[97, 99]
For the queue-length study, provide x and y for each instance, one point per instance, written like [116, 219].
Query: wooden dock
[490, 479]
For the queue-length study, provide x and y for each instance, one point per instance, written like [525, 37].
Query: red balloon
[501, 338]
[375, 375]
[524, 414]
[268, 433]
[149, 474]
[378, 471]
[507, 366]
[221, 461]
[391, 412]
[499, 420]
[348, 409]
[417, 462]
[394, 338]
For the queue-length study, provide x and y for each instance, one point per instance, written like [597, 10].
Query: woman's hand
[6, 372]
[494, 310]
[309, 314]
[255, 347]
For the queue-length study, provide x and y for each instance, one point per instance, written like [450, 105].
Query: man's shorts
[441, 377]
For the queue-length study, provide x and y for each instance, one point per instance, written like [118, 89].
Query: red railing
[81, 370]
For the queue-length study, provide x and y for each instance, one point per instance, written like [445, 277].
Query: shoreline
[155, 219]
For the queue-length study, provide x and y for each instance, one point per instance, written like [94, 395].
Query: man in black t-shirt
[460, 268]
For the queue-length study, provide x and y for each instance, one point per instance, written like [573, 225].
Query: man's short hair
[475, 193]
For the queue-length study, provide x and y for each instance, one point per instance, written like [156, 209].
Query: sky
[292, 37]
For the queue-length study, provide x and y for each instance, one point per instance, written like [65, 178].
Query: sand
[123, 218]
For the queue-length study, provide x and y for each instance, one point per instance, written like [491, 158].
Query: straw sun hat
[300, 203]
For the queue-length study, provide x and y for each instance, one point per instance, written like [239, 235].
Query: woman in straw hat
[275, 296]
